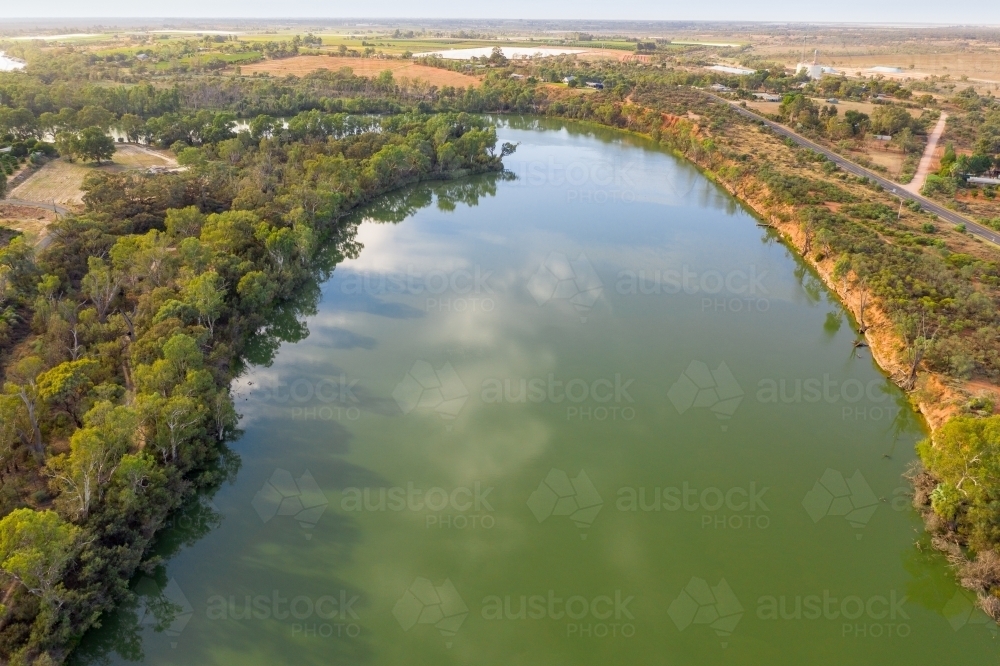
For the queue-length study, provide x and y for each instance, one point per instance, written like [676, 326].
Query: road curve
[36, 204]
[971, 226]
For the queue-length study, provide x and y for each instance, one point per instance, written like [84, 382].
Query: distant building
[567, 79]
[767, 97]
[883, 137]
[979, 180]
[597, 85]
[726, 69]
[718, 87]
[813, 69]
[832, 100]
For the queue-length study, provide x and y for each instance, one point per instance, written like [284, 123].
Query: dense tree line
[114, 408]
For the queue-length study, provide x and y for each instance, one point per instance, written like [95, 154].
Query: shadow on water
[285, 323]
[832, 323]
[932, 586]
[156, 603]
[356, 293]
[812, 287]
[341, 338]
[401, 204]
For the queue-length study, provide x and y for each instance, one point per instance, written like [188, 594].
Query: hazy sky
[853, 11]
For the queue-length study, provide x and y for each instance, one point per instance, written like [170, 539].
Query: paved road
[36, 204]
[971, 226]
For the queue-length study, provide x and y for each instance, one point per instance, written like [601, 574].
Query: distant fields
[300, 65]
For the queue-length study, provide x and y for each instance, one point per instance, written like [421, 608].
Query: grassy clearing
[60, 181]
[139, 157]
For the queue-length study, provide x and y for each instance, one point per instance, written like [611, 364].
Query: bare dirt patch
[131, 156]
[884, 155]
[301, 65]
[612, 54]
[29, 221]
[977, 66]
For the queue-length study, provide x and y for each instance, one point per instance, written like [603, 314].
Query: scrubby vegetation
[977, 131]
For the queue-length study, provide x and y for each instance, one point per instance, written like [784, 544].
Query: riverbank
[165, 410]
[804, 198]
[642, 339]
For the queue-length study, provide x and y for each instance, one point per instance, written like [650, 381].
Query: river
[8, 64]
[588, 413]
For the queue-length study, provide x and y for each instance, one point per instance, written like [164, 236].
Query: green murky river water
[586, 414]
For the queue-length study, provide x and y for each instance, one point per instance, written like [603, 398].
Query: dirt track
[927, 160]
[300, 65]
